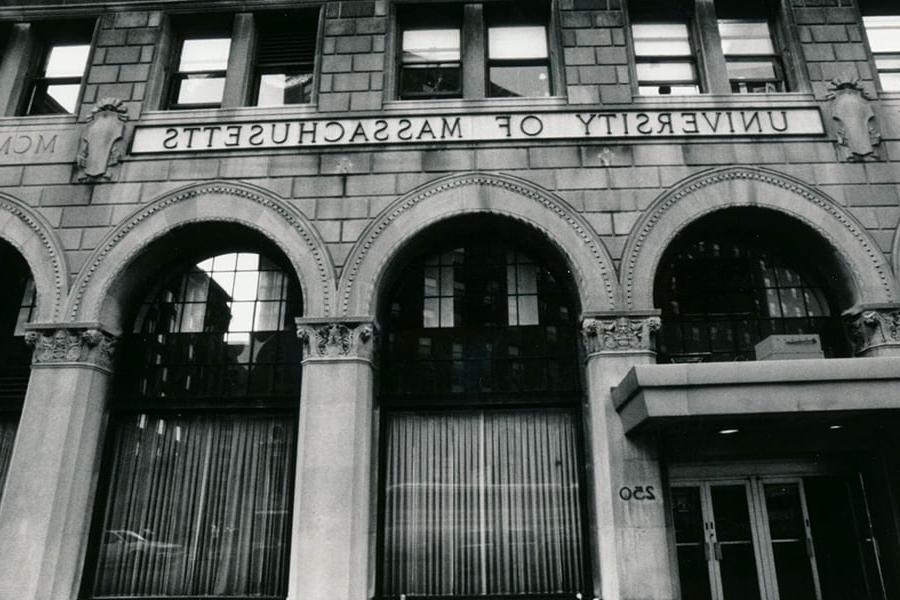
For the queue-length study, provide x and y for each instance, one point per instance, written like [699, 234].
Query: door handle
[810, 549]
[706, 552]
[718, 549]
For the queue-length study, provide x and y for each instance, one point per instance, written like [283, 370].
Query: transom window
[482, 492]
[722, 294]
[499, 49]
[56, 76]
[881, 21]
[203, 437]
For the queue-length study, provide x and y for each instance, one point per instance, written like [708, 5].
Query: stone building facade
[626, 196]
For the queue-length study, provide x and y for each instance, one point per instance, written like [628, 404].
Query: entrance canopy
[652, 396]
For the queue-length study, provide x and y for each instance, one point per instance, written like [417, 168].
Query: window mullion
[710, 46]
[474, 51]
[237, 77]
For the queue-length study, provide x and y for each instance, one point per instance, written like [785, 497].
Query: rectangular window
[198, 74]
[430, 53]
[61, 58]
[285, 58]
[664, 51]
[518, 53]
[882, 25]
[751, 61]
[476, 50]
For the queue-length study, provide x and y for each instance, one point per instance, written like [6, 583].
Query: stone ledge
[652, 395]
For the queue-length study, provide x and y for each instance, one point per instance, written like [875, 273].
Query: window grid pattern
[883, 32]
[203, 438]
[721, 297]
[221, 329]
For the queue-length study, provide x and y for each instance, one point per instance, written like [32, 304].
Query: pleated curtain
[7, 438]
[482, 503]
[198, 506]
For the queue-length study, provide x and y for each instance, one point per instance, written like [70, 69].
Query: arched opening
[731, 279]
[197, 481]
[17, 305]
[482, 488]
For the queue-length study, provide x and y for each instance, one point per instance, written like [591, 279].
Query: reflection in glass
[691, 543]
[665, 62]
[737, 564]
[517, 42]
[204, 55]
[789, 541]
[56, 90]
[430, 63]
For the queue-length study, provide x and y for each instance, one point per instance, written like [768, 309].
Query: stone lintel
[620, 332]
[336, 339]
[75, 343]
[874, 328]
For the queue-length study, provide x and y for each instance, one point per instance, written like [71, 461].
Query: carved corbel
[857, 133]
[100, 146]
[619, 333]
[874, 327]
[337, 339]
[72, 344]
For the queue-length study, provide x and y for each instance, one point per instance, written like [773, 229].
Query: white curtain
[480, 503]
[7, 438]
[198, 506]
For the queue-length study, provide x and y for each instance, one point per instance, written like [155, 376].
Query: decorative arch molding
[710, 191]
[211, 202]
[35, 240]
[895, 257]
[470, 193]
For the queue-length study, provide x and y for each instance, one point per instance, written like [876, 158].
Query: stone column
[48, 500]
[633, 558]
[332, 527]
[874, 330]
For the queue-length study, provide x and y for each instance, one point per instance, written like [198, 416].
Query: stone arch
[870, 278]
[94, 295]
[471, 193]
[35, 240]
[895, 257]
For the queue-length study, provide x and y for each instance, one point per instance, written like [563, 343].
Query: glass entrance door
[745, 539]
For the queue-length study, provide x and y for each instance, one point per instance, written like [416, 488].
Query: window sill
[38, 120]
[474, 105]
[728, 100]
[242, 113]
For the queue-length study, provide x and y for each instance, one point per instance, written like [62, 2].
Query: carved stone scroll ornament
[100, 146]
[341, 339]
[857, 132]
[619, 334]
[873, 327]
[72, 345]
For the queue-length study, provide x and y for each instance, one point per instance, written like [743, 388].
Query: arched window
[17, 303]
[202, 442]
[724, 286]
[482, 489]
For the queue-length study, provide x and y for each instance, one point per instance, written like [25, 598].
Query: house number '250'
[638, 492]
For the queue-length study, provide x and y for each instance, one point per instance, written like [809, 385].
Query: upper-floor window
[285, 59]
[59, 60]
[199, 78]
[751, 61]
[715, 46]
[282, 46]
[474, 50]
[882, 25]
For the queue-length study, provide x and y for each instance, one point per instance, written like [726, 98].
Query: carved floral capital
[619, 333]
[874, 326]
[337, 339]
[72, 345]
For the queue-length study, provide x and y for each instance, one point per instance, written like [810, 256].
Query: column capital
[331, 339]
[71, 344]
[620, 332]
[874, 329]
